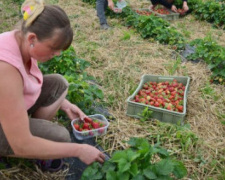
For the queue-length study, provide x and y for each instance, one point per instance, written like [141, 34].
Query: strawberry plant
[137, 162]
[213, 54]
[213, 12]
[73, 69]
[210, 11]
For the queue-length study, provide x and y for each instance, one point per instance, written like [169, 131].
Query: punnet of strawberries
[166, 95]
[88, 125]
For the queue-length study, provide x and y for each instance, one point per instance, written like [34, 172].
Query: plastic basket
[164, 115]
[81, 135]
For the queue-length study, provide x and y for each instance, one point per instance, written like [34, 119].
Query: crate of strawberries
[165, 96]
[93, 125]
[143, 12]
[164, 13]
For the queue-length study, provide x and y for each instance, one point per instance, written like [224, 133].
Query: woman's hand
[72, 110]
[111, 4]
[174, 8]
[89, 154]
[185, 6]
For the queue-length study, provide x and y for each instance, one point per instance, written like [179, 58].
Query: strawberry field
[104, 68]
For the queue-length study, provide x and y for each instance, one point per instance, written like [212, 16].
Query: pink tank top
[10, 53]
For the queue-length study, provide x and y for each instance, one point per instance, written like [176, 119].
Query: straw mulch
[119, 57]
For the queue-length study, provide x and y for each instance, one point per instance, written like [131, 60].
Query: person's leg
[54, 91]
[105, 5]
[49, 130]
[40, 128]
[100, 7]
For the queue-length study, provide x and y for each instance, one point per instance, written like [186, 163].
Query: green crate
[164, 115]
[170, 17]
[147, 10]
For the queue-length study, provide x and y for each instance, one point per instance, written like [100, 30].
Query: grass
[119, 57]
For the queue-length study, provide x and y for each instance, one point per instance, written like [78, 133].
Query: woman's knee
[64, 135]
[49, 130]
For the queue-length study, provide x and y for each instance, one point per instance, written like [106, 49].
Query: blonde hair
[45, 21]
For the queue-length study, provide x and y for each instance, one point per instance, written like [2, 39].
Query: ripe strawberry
[86, 125]
[156, 104]
[95, 125]
[76, 126]
[180, 108]
[87, 120]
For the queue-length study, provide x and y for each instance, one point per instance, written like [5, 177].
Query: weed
[145, 115]
[126, 36]
[174, 66]
[208, 92]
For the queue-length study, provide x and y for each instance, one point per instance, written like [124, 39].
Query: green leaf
[123, 165]
[134, 169]
[118, 155]
[92, 171]
[164, 178]
[163, 153]
[111, 175]
[139, 177]
[108, 166]
[123, 176]
[164, 167]
[132, 155]
[179, 170]
[149, 173]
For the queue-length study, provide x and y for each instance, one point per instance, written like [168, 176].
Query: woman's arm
[15, 124]
[72, 110]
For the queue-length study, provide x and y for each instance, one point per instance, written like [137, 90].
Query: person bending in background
[169, 4]
[29, 100]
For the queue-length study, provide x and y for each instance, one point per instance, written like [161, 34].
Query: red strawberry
[88, 120]
[76, 126]
[86, 125]
[180, 108]
[95, 125]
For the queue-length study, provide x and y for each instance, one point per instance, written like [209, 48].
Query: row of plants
[213, 54]
[155, 28]
[210, 11]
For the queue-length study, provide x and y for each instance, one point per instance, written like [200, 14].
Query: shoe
[51, 165]
[105, 26]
